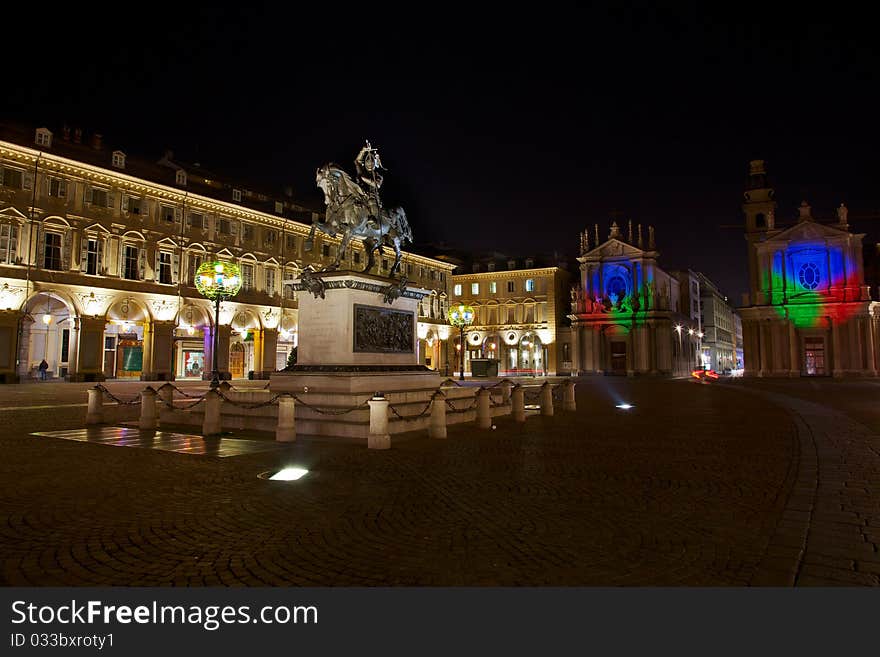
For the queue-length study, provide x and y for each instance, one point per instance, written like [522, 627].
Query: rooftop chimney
[96, 141]
[77, 135]
[66, 132]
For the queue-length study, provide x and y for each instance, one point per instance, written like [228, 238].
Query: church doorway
[618, 357]
[814, 356]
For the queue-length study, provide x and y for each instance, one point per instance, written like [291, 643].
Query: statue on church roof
[842, 213]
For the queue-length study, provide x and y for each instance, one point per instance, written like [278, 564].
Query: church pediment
[614, 248]
[808, 230]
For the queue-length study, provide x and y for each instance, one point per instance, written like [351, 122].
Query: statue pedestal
[351, 345]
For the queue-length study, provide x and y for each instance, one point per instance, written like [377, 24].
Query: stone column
[24, 348]
[837, 370]
[225, 333]
[73, 351]
[147, 352]
[575, 349]
[269, 349]
[437, 426]
[794, 365]
[148, 410]
[258, 353]
[484, 415]
[8, 337]
[286, 431]
[868, 323]
[90, 354]
[161, 351]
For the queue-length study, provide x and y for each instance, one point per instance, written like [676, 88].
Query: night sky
[499, 131]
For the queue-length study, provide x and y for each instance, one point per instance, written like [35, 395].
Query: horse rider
[368, 164]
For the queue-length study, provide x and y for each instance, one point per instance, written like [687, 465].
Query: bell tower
[759, 208]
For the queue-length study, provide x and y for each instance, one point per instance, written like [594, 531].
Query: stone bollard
[379, 437]
[484, 416]
[95, 414]
[518, 404]
[437, 427]
[211, 425]
[505, 390]
[148, 410]
[286, 431]
[546, 399]
[568, 402]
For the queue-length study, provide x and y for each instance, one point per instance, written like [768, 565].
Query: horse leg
[343, 246]
[310, 241]
[397, 255]
[370, 248]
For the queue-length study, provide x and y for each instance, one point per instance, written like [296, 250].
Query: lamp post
[217, 281]
[461, 316]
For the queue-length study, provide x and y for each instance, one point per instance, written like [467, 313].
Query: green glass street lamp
[217, 281]
[461, 316]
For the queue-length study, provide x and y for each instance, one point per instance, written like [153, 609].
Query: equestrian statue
[354, 209]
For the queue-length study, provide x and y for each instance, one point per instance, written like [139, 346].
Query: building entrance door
[236, 361]
[814, 356]
[618, 357]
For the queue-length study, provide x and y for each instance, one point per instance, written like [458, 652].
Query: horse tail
[402, 224]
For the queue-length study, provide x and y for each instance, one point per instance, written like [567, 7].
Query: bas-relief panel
[381, 330]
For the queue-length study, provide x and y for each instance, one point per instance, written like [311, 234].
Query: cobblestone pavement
[696, 485]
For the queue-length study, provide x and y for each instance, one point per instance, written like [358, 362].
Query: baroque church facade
[626, 315]
[808, 311]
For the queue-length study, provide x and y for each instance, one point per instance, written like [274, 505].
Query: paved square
[163, 440]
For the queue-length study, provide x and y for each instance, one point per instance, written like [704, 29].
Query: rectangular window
[92, 257]
[357, 257]
[510, 286]
[247, 277]
[13, 178]
[236, 195]
[269, 236]
[99, 197]
[290, 242]
[225, 227]
[196, 220]
[442, 276]
[247, 232]
[270, 282]
[409, 269]
[325, 250]
[134, 205]
[194, 261]
[52, 251]
[167, 213]
[457, 290]
[530, 285]
[384, 263]
[8, 243]
[475, 288]
[165, 268]
[130, 262]
[57, 187]
[493, 287]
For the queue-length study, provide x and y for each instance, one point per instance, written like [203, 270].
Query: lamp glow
[624, 406]
[289, 474]
[47, 319]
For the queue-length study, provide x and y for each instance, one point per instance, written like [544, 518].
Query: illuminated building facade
[98, 252]
[808, 312]
[520, 315]
[626, 315]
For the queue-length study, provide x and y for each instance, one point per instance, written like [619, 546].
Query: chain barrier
[173, 407]
[423, 412]
[124, 402]
[182, 392]
[359, 407]
[452, 381]
[461, 410]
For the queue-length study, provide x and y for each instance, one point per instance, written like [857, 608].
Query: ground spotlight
[624, 406]
[289, 474]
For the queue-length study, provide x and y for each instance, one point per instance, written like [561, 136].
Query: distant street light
[461, 316]
[218, 281]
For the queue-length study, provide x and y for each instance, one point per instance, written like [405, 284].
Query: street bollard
[505, 390]
[568, 402]
[546, 399]
[484, 417]
[148, 410]
[437, 427]
[286, 431]
[95, 414]
[211, 425]
[379, 437]
[518, 404]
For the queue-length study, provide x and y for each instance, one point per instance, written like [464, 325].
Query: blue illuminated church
[808, 311]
